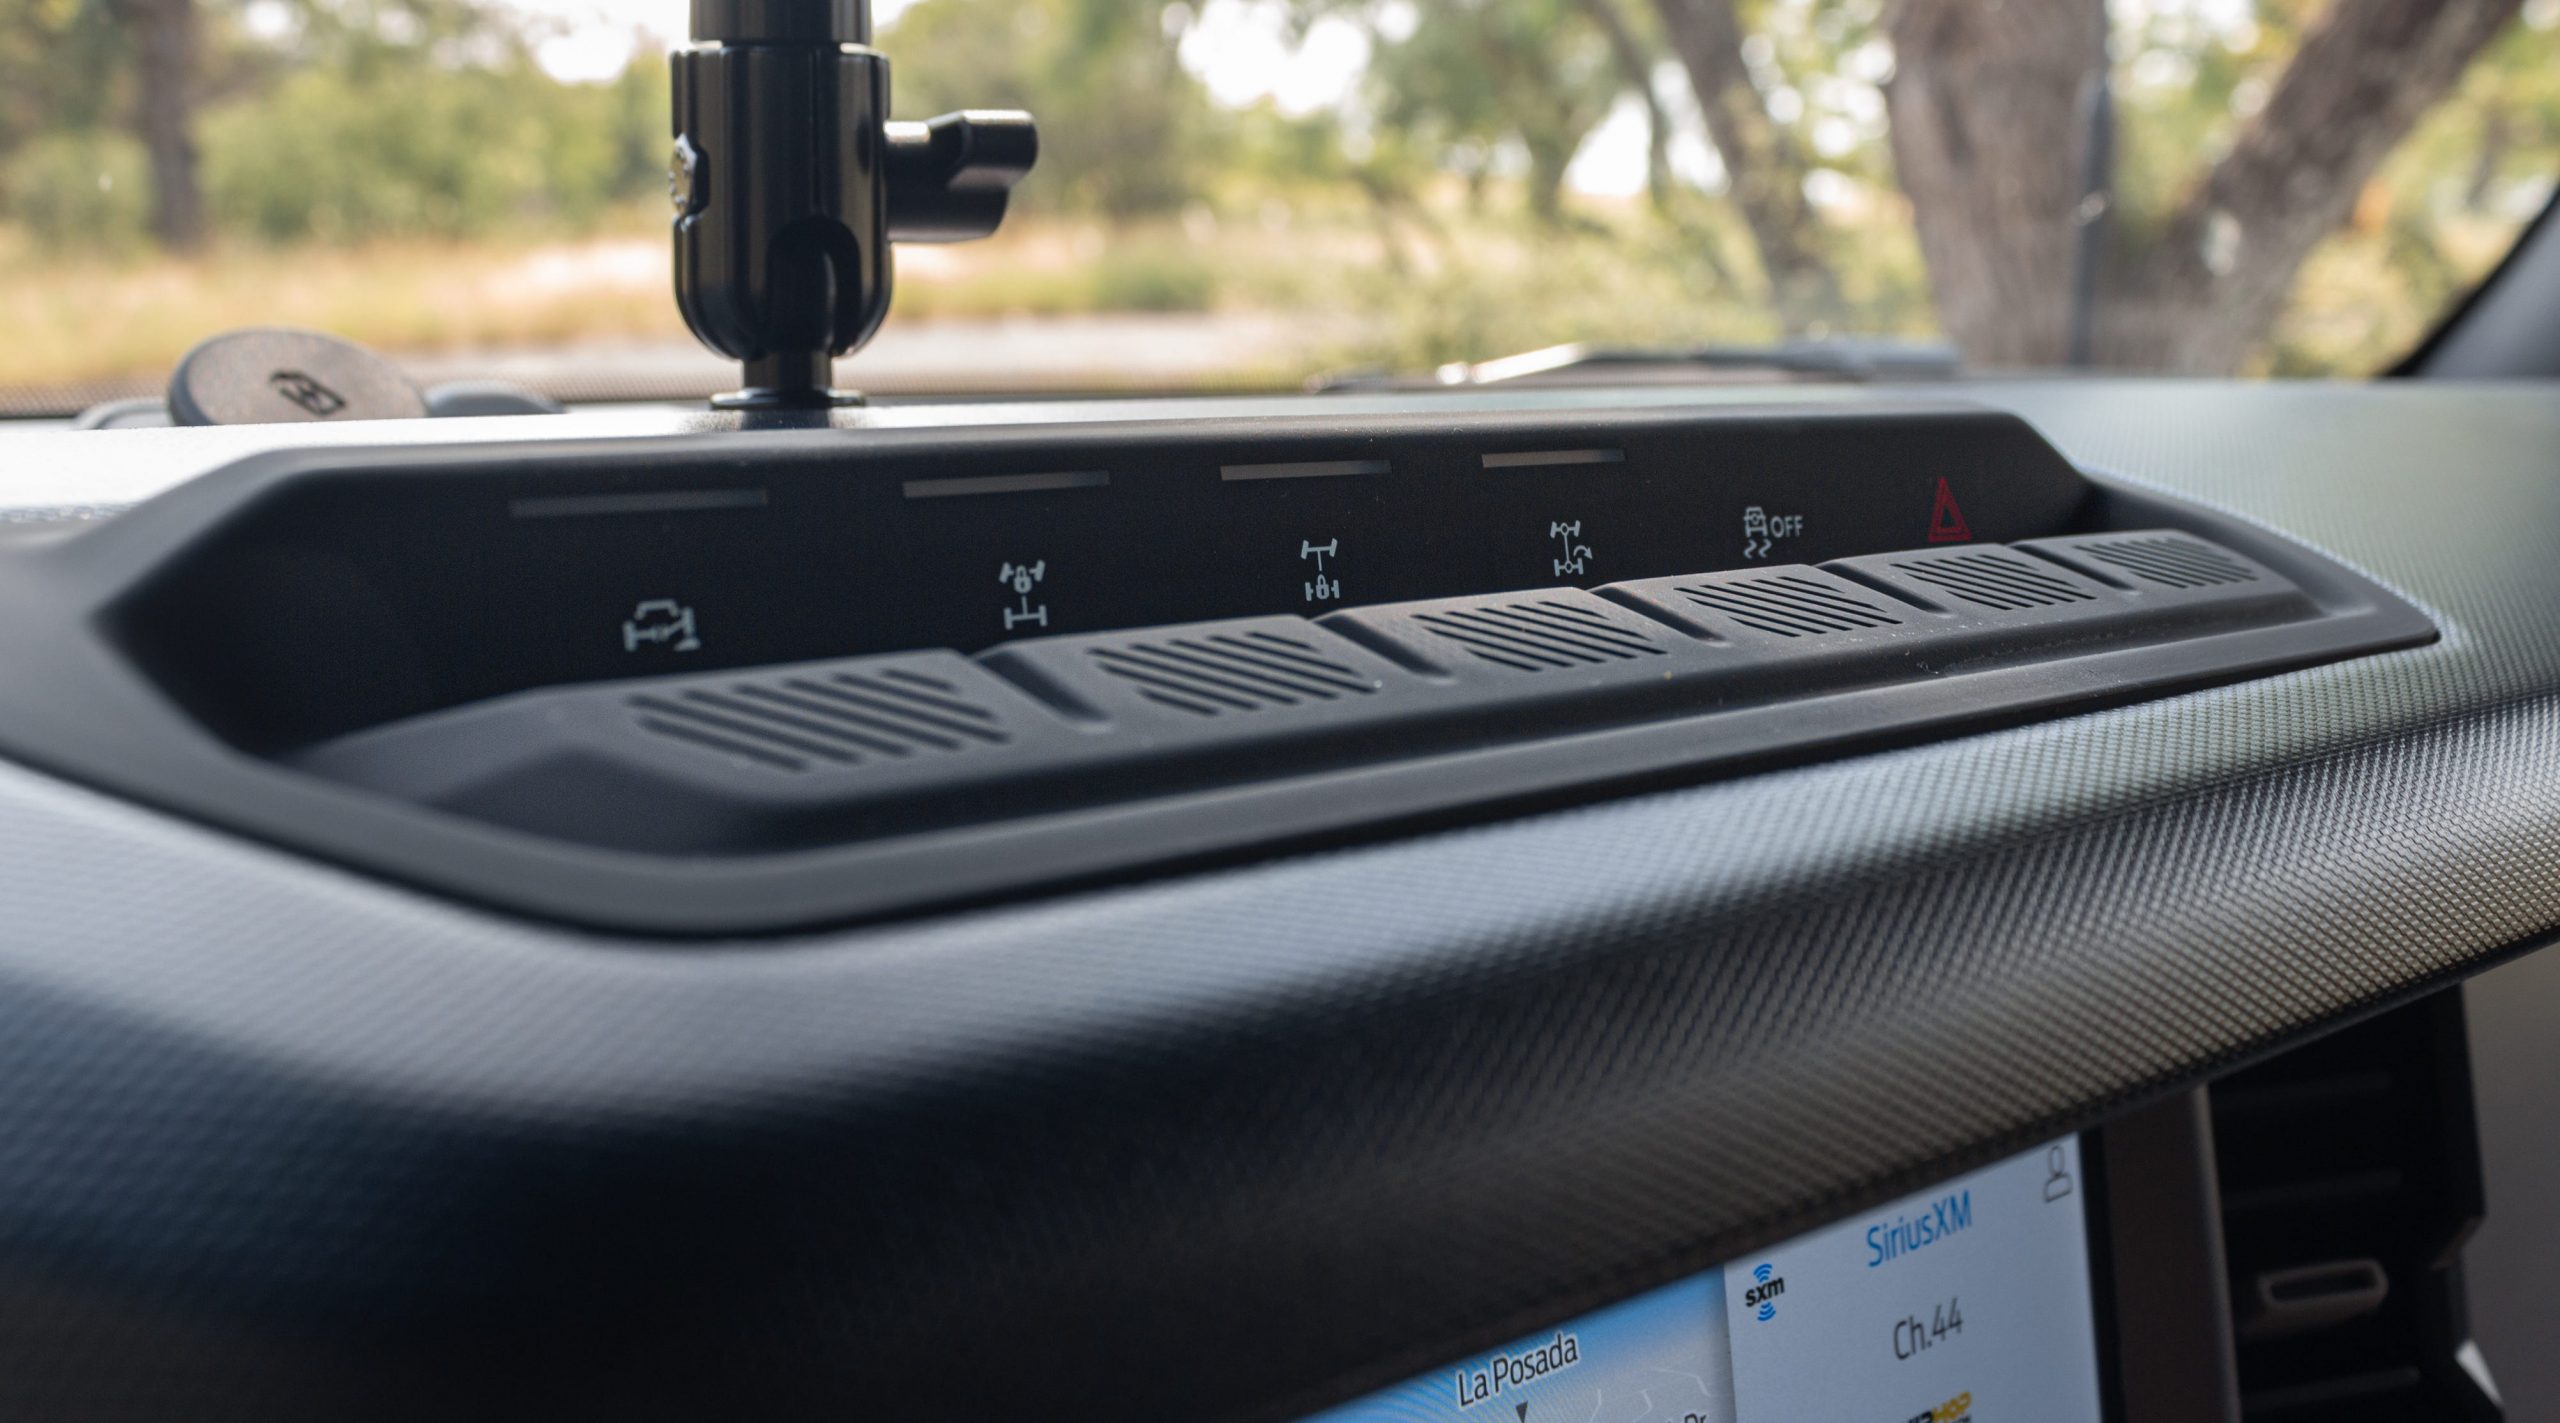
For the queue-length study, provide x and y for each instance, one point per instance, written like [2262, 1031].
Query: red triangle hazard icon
[1946, 520]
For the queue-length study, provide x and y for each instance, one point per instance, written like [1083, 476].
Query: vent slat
[2167, 561]
[2345, 1186]
[746, 729]
[1998, 581]
[756, 702]
[796, 722]
[693, 735]
[2292, 1096]
[1181, 687]
[1538, 635]
[929, 692]
[1227, 671]
[2330, 1393]
[1224, 673]
[1494, 646]
[1788, 606]
[852, 698]
[1301, 678]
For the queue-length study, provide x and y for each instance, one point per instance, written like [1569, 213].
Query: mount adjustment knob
[951, 178]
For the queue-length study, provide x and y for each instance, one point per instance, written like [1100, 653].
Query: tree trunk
[2198, 299]
[164, 37]
[1765, 164]
[1989, 130]
[1636, 68]
[1548, 160]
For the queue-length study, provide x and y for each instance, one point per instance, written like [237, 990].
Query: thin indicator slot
[670, 501]
[1006, 483]
[1303, 469]
[1540, 459]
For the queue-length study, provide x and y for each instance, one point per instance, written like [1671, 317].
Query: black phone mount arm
[790, 182]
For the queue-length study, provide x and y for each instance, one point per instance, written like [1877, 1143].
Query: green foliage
[2437, 218]
[1269, 152]
[1125, 130]
[1479, 75]
[57, 61]
[1828, 57]
[83, 191]
[1142, 282]
[365, 118]
[2182, 87]
[454, 152]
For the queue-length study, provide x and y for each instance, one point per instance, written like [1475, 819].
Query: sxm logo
[1766, 1285]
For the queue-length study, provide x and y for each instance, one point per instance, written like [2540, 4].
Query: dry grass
[76, 320]
[1465, 284]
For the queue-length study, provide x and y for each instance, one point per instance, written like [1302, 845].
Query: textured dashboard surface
[278, 1140]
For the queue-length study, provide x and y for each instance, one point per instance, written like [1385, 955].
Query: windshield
[1240, 193]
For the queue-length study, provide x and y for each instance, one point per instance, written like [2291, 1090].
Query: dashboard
[1917, 1043]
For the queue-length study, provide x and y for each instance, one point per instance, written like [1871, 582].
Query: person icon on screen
[2057, 1174]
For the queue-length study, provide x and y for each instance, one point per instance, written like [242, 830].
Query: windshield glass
[1239, 193]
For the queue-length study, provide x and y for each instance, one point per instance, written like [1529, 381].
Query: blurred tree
[467, 150]
[1990, 111]
[57, 64]
[1991, 108]
[1123, 126]
[68, 65]
[1535, 74]
[1765, 161]
[163, 38]
[59, 172]
[1980, 91]
[1633, 57]
[85, 190]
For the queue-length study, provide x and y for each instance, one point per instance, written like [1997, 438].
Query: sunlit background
[1243, 192]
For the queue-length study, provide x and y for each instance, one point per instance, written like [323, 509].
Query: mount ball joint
[790, 182]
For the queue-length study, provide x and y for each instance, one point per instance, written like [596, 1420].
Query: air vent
[1789, 605]
[1538, 635]
[1231, 672]
[2002, 582]
[801, 723]
[2349, 1175]
[2168, 561]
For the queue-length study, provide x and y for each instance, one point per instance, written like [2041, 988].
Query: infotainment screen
[1968, 1301]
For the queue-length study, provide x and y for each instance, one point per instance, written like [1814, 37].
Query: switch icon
[663, 622]
[1022, 578]
[1324, 587]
